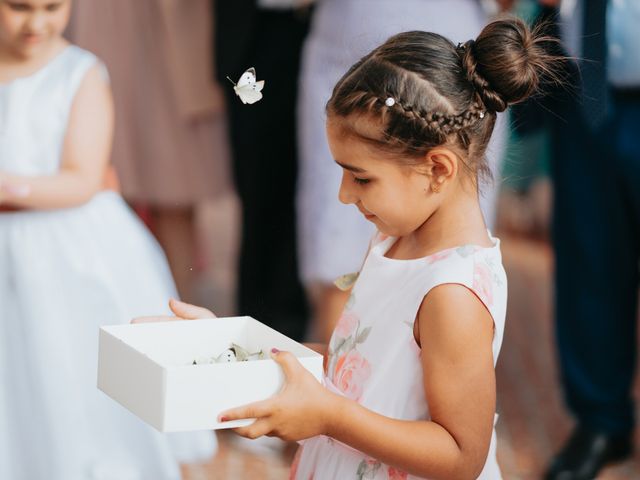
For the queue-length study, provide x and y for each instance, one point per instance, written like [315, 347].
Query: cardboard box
[148, 369]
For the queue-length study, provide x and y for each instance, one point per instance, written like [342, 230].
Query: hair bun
[506, 62]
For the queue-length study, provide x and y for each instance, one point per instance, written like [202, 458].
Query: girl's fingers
[16, 191]
[183, 311]
[252, 410]
[188, 311]
[257, 429]
[287, 361]
[161, 318]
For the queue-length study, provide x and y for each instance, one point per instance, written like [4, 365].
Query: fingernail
[275, 351]
[223, 418]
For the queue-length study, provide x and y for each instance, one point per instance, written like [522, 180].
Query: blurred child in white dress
[72, 257]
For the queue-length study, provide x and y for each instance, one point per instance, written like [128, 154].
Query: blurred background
[232, 191]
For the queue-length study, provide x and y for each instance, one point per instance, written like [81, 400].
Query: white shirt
[623, 38]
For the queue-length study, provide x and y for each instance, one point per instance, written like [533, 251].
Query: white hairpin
[390, 102]
[481, 114]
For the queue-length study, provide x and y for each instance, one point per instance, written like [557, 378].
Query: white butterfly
[247, 88]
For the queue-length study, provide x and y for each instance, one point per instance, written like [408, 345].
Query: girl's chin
[32, 48]
[383, 227]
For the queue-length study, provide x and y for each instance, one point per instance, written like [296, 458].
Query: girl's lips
[366, 214]
[31, 39]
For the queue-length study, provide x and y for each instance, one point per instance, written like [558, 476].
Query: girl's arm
[85, 155]
[320, 348]
[456, 333]
[459, 381]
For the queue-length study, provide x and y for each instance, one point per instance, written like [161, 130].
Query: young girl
[410, 385]
[72, 258]
[333, 237]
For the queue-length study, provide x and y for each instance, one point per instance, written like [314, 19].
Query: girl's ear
[441, 166]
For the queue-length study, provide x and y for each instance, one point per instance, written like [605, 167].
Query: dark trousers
[263, 140]
[597, 245]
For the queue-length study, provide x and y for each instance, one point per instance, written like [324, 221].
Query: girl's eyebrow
[351, 167]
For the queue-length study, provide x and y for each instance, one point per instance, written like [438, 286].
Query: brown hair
[443, 93]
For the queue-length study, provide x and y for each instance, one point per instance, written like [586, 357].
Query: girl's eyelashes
[24, 7]
[52, 7]
[361, 181]
[18, 7]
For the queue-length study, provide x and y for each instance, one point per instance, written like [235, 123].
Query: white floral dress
[373, 356]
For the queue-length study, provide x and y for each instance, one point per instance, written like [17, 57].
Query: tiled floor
[533, 423]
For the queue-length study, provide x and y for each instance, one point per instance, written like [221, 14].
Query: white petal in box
[148, 368]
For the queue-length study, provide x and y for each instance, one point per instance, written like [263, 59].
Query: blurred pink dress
[170, 143]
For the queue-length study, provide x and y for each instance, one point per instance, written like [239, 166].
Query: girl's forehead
[349, 147]
[362, 126]
[343, 138]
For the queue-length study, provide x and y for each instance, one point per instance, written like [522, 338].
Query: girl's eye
[361, 181]
[52, 7]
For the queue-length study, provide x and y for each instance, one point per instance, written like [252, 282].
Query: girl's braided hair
[425, 91]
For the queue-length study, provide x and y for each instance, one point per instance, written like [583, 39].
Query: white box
[148, 369]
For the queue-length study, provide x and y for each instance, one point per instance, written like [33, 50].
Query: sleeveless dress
[63, 273]
[373, 357]
[343, 31]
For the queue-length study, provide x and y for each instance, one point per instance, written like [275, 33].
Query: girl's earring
[435, 187]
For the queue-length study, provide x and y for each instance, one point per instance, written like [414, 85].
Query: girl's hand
[302, 409]
[10, 190]
[182, 311]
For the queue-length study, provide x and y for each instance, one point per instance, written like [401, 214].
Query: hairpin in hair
[390, 102]
[481, 115]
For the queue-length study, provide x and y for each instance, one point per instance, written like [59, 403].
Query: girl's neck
[13, 65]
[458, 221]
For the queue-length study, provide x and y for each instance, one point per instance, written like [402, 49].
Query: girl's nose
[346, 194]
[36, 23]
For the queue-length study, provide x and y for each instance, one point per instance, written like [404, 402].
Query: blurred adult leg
[596, 243]
[265, 167]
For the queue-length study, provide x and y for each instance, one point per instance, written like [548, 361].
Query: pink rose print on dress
[351, 372]
[347, 324]
[436, 257]
[483, 283]
[395, 474]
